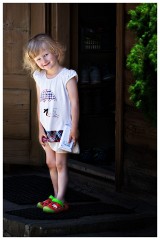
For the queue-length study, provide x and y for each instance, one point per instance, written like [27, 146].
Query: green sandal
[41, 205]
[56, 206]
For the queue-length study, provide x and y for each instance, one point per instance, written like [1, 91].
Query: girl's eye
[46, 54]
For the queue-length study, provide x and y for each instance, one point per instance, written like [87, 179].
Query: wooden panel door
[19, 95]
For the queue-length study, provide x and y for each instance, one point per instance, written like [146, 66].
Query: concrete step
[134, 223]
[20, 227]
[141, 222]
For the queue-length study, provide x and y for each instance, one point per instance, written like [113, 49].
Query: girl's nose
[44, 60]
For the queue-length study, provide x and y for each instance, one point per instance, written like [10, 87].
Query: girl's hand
[42, 137]
[73, 136]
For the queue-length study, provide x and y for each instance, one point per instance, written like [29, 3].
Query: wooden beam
[74, 36]
[119, 95]
[60, 26]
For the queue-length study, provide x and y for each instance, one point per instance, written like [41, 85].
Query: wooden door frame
[119, 82]
[119, 96]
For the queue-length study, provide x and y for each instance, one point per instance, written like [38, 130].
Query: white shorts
[55, 147]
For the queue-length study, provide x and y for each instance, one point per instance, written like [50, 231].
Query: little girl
[57, 105]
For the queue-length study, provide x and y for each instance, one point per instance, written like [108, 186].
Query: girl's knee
[61, 165]
[50, 158]
[50, 163]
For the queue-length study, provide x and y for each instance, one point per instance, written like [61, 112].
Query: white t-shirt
[55, 109]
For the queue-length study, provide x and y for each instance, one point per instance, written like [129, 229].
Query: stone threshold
[91, 170]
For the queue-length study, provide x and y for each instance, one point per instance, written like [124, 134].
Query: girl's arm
[41, 129]
[74, 99]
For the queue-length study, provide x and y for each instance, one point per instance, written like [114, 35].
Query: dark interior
[97, 70]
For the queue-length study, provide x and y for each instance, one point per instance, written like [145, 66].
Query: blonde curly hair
[35, 45]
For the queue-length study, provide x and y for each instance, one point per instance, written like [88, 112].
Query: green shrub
[142, 59]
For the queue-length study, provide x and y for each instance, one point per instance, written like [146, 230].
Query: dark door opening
[97, 76]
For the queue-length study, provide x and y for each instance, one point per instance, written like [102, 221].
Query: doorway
[94, 47]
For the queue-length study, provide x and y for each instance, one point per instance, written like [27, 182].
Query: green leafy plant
[142, 59]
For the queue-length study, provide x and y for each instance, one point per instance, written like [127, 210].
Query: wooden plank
[13, 51]
[16, 81]
[60, 28]
[16, 114]
[64, 29]
[139, 159]
[140, 169]
[74, 36]
[53, 21]
[16, 149]
[91, 169]
[16, 29]
[138, 131]
[38, 23]
[119, 94]
[16, 15]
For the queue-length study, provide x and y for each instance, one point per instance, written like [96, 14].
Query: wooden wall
[140, 138]
[19, 96]
[21, 22]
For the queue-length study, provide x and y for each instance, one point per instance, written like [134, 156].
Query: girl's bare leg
[51, 162]
[61, 163]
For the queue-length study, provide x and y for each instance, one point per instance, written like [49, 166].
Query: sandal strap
[56, 206]
[56, 200]
[47, 200]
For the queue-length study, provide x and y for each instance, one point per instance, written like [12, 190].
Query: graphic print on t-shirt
[51, 114]
[47, 94]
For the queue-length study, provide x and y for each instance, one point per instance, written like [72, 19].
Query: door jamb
[119, 96]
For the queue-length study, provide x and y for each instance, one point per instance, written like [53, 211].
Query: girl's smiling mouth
[46, 64]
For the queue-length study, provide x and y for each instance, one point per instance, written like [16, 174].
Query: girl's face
[46, 60]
